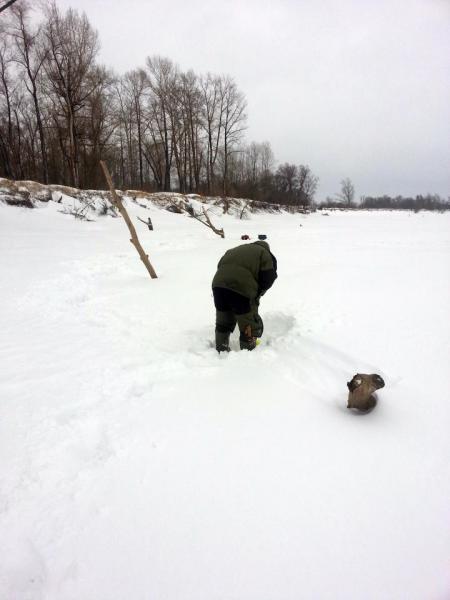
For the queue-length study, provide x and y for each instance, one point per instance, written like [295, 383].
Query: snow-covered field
[138, 464]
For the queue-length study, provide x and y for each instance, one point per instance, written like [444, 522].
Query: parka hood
[263, 244]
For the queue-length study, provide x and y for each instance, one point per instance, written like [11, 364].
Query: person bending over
[244, 274]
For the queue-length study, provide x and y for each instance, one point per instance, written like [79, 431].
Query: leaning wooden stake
[116, 200]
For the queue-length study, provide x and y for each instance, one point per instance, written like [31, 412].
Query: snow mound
[30, 194]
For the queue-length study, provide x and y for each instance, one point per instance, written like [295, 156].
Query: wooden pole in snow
[116, 200]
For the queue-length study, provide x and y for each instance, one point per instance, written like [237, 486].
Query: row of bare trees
[159, 128]
[49, 85]
[176, 125]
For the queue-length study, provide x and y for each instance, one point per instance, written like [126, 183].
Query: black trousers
[232, 308]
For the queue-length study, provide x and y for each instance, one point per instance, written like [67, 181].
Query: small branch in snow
[189, 209]
[208, 220]
[148, 223]
[80, 211]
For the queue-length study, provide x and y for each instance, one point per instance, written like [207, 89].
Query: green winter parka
[249, 270]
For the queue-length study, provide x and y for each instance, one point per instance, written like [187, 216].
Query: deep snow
[136, 463]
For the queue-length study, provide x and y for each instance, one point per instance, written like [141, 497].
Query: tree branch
[7, 5]
[191, 212]
[217, 231]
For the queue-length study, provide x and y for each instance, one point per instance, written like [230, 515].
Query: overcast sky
[353, 88]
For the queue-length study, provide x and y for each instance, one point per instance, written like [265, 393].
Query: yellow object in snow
[258, 342]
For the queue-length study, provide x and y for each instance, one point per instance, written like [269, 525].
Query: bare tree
[190, 101]
[234, 118]
[255, 171]
[347, 194]
[252, 160]
[295, 185]
[162, 75]
[286, 182]
[266, 157]
[213, 107]
[307, 185]
[125, 136]
[30, 60]
[136, 86]
[97, 125]
[6, 123]
[71, 45]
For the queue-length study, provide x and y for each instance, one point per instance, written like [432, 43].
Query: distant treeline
[420, 202]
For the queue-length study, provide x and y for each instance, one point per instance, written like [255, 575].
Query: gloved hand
[247, 341]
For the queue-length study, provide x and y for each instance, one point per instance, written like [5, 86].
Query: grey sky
[355, 89]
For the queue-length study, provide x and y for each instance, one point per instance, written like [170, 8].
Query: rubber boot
[222, 341]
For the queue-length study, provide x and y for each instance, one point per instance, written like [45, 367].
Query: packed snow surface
[138, 464]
